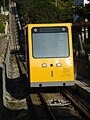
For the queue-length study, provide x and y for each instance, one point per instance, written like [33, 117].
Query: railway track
[76, 102]
[42, 99]
[56, 106]
[53, 106]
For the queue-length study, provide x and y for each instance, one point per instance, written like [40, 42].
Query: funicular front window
[50, 42]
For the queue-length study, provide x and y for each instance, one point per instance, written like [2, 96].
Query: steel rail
[20, 63]
[83, 110]
[31, 107]
[46, 106]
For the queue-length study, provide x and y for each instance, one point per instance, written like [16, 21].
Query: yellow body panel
[50, 73]
[40, 74]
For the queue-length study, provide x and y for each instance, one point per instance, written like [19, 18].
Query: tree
[44, 11]
[6, 2]
[65, 7]
[83, 11]
[1, 2]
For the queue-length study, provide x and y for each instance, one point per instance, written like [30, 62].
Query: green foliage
[2, 23]
[2, 18]
[6, 3]
[2, 27]
[1, 2]
[65, 7]
[44, 11]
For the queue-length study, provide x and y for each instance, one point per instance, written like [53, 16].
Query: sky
[86, 1]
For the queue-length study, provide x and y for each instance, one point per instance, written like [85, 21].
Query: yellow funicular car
[49, 54]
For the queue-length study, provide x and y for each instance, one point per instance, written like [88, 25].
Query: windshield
[50, 43]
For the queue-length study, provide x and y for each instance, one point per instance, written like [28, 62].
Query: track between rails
[53, 106]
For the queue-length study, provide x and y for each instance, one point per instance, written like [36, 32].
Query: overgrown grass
[3, 18]
[2, 27]
[2, 23]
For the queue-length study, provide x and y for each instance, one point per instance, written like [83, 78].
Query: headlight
[44, 65]
[58, 64]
